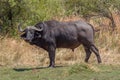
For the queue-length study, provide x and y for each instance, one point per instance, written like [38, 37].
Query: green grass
[74, 72]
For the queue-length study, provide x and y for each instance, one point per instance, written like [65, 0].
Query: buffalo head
[30, 32]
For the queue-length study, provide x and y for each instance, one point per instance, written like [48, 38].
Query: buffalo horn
[34, 28]
[19, 27]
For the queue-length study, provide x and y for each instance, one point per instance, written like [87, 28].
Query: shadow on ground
[37, 68]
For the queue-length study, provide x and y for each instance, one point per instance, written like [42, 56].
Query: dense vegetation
[13, 12]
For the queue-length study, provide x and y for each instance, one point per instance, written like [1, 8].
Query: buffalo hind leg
[88, 53]
[96, 51]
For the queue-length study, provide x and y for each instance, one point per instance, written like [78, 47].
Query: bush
[27, 11]
[32, 11]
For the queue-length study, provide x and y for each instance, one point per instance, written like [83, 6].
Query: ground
[74, 72]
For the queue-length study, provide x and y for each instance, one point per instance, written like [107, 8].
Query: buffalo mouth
[27, 40]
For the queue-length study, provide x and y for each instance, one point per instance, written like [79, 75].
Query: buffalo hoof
[86, 61]
[99, 61]
[51, 66]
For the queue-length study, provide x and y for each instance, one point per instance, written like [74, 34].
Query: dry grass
[19, 53]
[109, 46]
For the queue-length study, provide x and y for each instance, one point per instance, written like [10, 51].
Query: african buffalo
[53, 34]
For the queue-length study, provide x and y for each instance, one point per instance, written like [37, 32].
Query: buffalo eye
[37, 34]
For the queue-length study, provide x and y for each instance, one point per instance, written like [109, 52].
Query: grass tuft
[77, 68]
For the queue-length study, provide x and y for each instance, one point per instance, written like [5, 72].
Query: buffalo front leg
[51, 53]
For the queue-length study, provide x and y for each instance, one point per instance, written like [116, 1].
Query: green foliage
[90, 8]
[27, 11]
[40, 10]
[30, 12]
